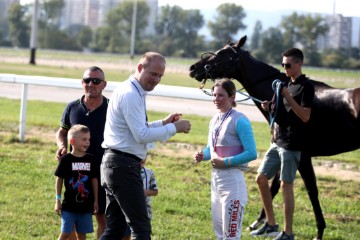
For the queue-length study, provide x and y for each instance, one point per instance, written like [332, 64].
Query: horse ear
[228, 41]
[241, 42]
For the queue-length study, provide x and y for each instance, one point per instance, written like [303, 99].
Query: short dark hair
[95, 69]
[296, 53]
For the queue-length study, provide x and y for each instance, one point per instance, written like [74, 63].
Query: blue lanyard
[142, 98]
[217, 130]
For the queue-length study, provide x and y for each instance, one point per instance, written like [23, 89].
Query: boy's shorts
[278, 158]
[82, 221]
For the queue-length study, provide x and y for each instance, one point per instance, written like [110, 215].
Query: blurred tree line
[176, 33]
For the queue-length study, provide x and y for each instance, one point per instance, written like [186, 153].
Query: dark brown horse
[334, 126]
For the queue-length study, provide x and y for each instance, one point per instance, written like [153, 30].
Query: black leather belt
[109, 150]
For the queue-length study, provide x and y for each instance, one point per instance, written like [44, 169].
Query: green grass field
[182, 208]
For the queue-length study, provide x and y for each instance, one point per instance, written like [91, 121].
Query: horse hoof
[255, 224]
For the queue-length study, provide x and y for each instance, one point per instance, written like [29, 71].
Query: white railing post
[24, 96]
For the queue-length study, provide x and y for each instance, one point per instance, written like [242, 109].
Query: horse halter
[209, 67]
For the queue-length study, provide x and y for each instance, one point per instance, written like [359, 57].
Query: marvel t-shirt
[77, 173]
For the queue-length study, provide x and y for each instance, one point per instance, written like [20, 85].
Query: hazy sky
[348, 8]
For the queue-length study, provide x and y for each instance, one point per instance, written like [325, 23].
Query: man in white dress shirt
[127, 137]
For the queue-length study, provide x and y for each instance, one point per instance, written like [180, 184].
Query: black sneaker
[284, 236]
[256, 224]
[266, 231]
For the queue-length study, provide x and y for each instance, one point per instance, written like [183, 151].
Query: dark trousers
[125, 199]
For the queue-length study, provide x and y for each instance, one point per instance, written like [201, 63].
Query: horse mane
[282, 76]
[253, 65]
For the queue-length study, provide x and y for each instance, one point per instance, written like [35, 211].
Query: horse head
[233, 62]
[216, 65]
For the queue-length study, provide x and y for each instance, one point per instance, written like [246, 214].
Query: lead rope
[248, 96]
[277, 85]
[238, 91]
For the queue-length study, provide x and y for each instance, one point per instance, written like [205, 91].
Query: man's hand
[265, 105]
[172, 118]
[61, 142]
[283, 90]
[60, 152]
[182, 126]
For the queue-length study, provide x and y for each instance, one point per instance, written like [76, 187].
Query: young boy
[77, 171]
[150, 185]
[150, 189]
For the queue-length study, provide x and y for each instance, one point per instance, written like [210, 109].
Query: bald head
[150, 70]
[148, 57]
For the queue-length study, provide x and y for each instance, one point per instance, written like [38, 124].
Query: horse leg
[274, 189]
[307, 173]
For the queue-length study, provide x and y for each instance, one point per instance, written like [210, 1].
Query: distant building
[5, 5]
[355, 32]
[340, 32]
[73, 13]
[4, 8]
[93, 13]
[154, 6]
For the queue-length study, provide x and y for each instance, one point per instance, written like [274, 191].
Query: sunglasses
[95, 81]
[286, 65]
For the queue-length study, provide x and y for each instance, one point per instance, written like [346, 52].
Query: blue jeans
[125, 199]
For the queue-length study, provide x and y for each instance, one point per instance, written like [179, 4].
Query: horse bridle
[208, 67]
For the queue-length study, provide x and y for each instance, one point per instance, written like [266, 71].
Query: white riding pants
[228, 199]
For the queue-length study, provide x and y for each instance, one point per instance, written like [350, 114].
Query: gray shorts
[278, 158]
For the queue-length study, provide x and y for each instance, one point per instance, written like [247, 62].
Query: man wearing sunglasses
[284, 154]
[89, 110]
